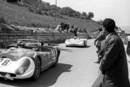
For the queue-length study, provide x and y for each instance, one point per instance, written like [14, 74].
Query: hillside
[15, 14]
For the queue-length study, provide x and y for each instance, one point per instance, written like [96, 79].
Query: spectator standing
[75, 31]
[113, 66]
[98, 43]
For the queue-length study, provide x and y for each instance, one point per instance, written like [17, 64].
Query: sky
[119, 10]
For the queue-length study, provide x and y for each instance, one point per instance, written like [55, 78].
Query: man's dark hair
[109, 24]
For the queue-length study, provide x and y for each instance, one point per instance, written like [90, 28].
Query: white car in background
[76, 41]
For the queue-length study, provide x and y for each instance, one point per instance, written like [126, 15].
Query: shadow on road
[48, 77]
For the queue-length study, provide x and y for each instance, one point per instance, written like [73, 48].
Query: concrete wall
[8, 38]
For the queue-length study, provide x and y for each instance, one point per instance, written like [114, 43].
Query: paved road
[76, 68]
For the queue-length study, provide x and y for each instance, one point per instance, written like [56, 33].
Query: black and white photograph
[64, 43]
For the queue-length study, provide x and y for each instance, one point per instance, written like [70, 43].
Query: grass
[18, 15]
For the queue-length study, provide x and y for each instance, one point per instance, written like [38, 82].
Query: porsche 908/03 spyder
[76, 42]
[27, 61]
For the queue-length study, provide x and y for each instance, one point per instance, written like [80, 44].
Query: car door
[51, 55]
[45, 56]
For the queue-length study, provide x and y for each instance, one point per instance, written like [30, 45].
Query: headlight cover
[24, 66]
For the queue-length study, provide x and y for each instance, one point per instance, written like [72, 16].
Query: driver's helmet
[75, 37]
[20, 44]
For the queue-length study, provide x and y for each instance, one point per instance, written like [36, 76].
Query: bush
[36, 25]
[2, 20]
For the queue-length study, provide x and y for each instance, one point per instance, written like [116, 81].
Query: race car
[76, 41]
[27, 61]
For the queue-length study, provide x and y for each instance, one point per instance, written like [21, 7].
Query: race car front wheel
[37, 70]
[57, 57]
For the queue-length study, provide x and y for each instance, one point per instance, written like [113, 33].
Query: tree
[83, 15]
[67, 11]
[90, 15]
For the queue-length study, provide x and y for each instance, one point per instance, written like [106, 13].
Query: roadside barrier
[49, 37]
[8, 38]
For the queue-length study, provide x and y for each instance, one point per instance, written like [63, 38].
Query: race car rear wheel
[85, 45]
[67, 46]
[37, 70]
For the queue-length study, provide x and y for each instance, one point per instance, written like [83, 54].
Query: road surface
[76, 68]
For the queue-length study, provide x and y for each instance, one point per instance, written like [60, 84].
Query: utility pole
[55, 10]
[56, 2]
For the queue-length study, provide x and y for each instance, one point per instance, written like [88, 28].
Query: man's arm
[110, 55]
[101, 36]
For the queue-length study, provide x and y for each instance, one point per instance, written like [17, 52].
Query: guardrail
[8, 38]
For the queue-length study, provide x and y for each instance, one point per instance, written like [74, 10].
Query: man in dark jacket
[114, 62]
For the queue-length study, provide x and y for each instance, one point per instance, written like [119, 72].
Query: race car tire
[37, 70]
[67, 46]
[57, 57]
[85, 45]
